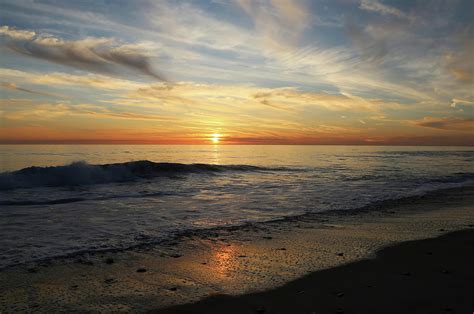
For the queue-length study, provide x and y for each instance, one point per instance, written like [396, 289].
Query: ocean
[57, 200]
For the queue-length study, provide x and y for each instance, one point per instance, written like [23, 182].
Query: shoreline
[233, 261]
[375, 208]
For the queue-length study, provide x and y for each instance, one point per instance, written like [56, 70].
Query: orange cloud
[452, 124]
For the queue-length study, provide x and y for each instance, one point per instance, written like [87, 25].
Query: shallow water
[107, 201]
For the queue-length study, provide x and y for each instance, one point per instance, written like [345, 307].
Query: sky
[237, 72]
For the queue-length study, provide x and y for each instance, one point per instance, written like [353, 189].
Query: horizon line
[235, 144]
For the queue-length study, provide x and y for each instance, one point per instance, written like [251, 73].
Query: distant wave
[80, 199]
[469, 154]
[82, 173]
[458, 177]
[455, 178]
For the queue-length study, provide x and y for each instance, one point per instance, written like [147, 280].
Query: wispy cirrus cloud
[243, 99]
[15, 87]
[94, 54]
[280, 23]
[58, 79]
[49, 111]
[377, 6]
[268, 70]
[460, 63]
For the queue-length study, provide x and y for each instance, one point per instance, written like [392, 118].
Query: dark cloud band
[102, 55]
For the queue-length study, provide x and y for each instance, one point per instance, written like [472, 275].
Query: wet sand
[424, 276]
[321, 263]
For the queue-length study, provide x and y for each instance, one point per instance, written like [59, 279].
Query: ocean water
[62, 199]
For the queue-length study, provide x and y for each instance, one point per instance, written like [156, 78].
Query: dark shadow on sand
[426, 276]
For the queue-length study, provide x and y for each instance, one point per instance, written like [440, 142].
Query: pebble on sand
[109, 261]
[110, 280]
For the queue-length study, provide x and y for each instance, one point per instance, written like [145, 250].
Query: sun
[215, 138]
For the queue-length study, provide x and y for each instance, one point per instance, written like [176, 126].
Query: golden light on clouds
[185, 72]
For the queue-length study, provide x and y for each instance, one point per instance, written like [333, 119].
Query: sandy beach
[423, 276]
[323, 263]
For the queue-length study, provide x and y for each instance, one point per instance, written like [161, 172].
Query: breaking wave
[82, 173]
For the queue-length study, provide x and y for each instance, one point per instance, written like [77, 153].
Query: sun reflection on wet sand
[224, 259]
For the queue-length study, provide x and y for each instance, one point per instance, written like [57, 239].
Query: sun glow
[215, 138]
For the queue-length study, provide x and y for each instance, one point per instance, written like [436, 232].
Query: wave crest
[82, 173]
